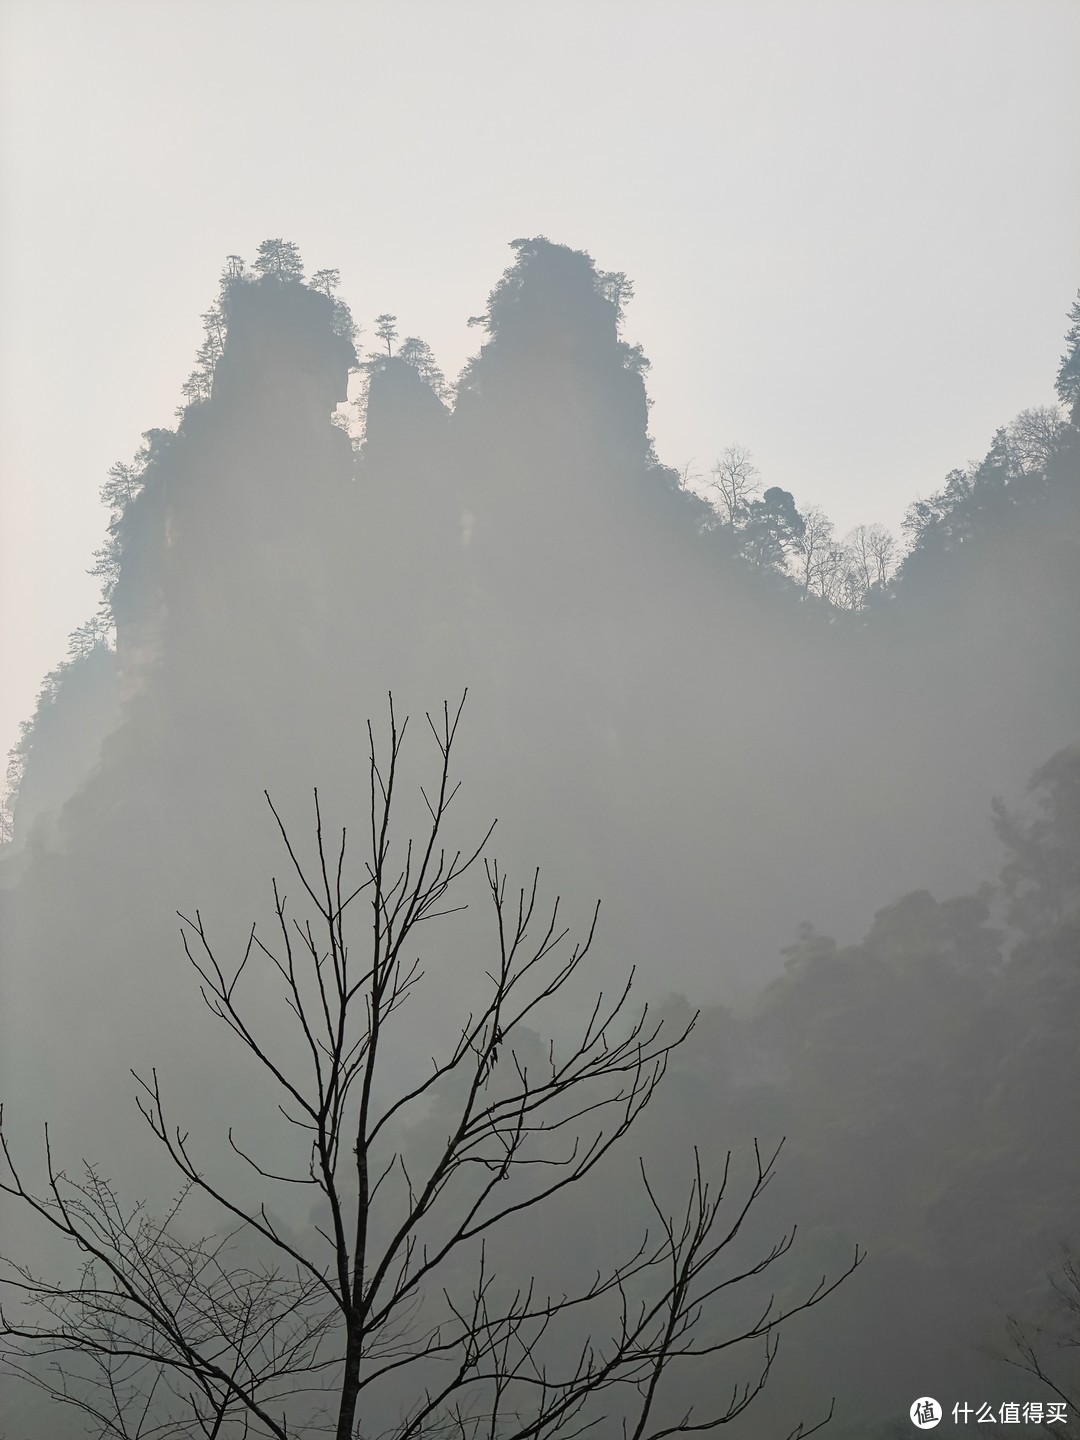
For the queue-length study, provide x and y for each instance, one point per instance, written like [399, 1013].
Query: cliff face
[260, 477]
[650, 721]
[76, 710]
[632, 688]
[230, 578]
[551, 434]
[236, 552]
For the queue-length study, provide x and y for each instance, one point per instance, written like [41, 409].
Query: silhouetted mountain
[659, 713]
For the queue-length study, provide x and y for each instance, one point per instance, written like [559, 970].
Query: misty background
[851, 227]
[481, 304]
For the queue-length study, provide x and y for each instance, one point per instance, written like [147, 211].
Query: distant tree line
[769, 532]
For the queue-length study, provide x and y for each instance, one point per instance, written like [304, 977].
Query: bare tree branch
[255, 1331]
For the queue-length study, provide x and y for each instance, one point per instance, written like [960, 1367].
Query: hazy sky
[852, 226]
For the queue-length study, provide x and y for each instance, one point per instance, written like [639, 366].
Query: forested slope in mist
[698, 712]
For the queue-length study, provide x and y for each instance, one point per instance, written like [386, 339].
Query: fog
[826, 795]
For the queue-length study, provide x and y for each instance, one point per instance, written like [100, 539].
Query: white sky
[852, 226]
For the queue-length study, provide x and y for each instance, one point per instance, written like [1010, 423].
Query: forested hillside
[687, 697]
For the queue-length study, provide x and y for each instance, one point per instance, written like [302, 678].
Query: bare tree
[884, 550]
[812, 558]
[860, 557]
[1050, 1350]
[737, 482]
[256, 1332]
[869, 560]
[1032, 439]
[688, 476]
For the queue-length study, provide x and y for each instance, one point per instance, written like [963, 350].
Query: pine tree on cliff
[1068, 376]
